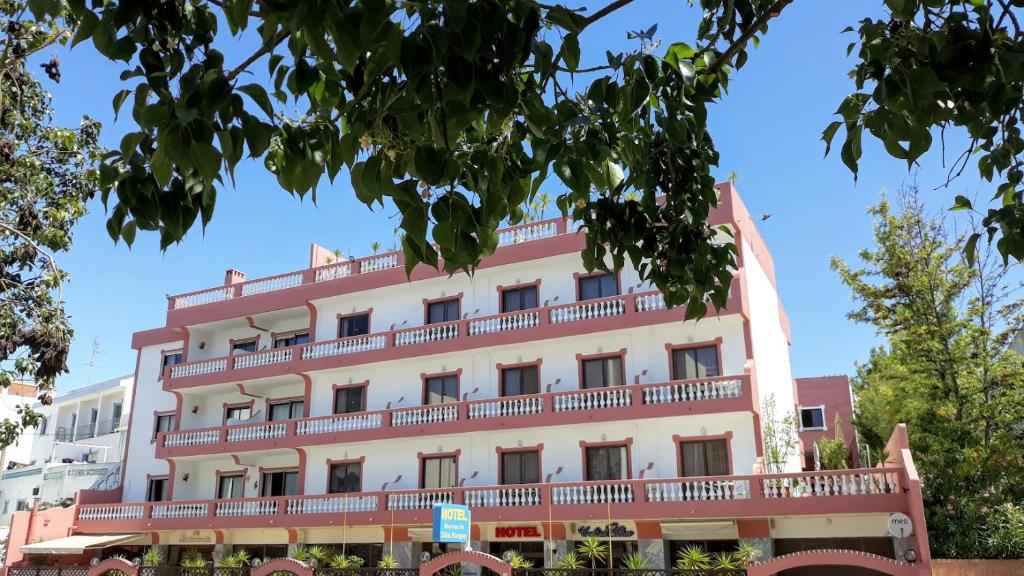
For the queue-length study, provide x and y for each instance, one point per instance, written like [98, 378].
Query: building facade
[825, 410]
[11, 398]
[339, 403]
[79, 444]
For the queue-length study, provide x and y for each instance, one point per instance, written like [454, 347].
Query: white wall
[149, 398]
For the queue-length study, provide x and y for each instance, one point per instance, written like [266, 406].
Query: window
[441, 389]
[157, 490]
[695, 363]
[443, 311]
[812, 418]
[293, 339]
[164, 423]
[42, 425]
[7, 505]
[287, 410]
[172, 358]
[238, 412]
[705, 458]
[355, 325]
[607, 463]
[346, 477]
[244, 346]
[280, 483]
[520, 467]
[230, 486]
[518, 381]
[599, 286]
[349, 400]
[439, 472]
[516, 299]
[115, 413]
[23, 505]
[603, 372]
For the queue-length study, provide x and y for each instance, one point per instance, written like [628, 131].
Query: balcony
[761, 495]
[675, 398]
[589, 316]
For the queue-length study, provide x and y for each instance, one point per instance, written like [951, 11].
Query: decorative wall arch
[119, 564]
[443, 561]
[808, 558]
[283, 565]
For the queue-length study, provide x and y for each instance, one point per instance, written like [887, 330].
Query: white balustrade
[247, 508]
[333, 272]
[418, 500]
[263, 358]
[504, 497]
[504, 323]
[272, 284]
[256, 432]
[189, 510]
[426, 334]
[672, 392]
[199, 368]
[204, 297]
[340, 423]
[527, 233]
[697, 490]
[191, 438]
[592, 494]
[332, 504]
[375, 263]
[843, 484]
[648, 302]
[588, 310]
[114, 512]
[425, 415]
[349, 345]
[593, 399]
[512, 406]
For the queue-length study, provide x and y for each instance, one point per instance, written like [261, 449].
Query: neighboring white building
[11, 398]
[79, 444]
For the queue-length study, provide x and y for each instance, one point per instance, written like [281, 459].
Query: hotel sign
[613, 530]
[517, 532]
[451, 523]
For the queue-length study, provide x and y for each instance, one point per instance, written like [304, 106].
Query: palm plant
[387, 561]
[516, 560]
[375, 247]
[153, 557]
[237, 559]
[634, 561]
[593, 550]
[747, 553]
[693, 558]
[192, 558]
[313, 555]
[725, 561]
[570, 561]
[345, 562]
[453, 570]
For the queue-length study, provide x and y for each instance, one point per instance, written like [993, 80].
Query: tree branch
[611, 7]
[266, 49]
[772, 11]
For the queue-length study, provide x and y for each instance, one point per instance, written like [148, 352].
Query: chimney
[233, 276]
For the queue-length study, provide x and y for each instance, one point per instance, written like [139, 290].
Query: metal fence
[369, 571]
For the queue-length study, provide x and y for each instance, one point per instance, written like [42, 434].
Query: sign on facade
[451, 523]
[900, 525]
[613, 530]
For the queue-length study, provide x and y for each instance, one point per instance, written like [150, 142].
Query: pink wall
[834, 393]
[29, 527]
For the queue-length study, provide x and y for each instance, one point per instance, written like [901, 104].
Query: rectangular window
[690, 363]
[280, 483]
[240, 412]
[349, 400]
[157, 490]
[244, 346]
[599, 286]
[288, 410]
[164, 423]
[607, 463]
[812, 418]
[521, 467]
[346, 477]
[293, 339]
[42, 425]
[441, 389]
[116, 409]
[230, 486]
[172, 358]
[443, 311]
[439, 472]
[519, 381]
[355, 325]
[516, 299]
[603, 372]
[705, 458]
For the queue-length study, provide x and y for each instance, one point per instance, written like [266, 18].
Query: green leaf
[971, 247]
[161, 167]
[829, 133]
[259, 96]
[86, 24]
[570, 52]
[130, 142]
[119, 100]
[961, 203]
[128, 232]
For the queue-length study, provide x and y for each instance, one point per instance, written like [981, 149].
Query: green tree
[946, 370]
[47, 173]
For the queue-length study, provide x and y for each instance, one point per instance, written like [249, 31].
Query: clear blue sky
[767, 131]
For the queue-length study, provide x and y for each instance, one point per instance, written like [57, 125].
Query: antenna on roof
[97, 351]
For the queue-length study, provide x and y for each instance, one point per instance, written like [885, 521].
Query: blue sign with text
[451, 523]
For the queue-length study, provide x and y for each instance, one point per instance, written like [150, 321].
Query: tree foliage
[46, 175]
[947, 371]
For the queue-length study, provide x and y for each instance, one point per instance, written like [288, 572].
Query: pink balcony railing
[634, 401]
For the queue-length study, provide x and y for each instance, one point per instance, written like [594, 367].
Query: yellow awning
[77, 544]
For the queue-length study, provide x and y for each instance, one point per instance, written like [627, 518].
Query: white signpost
[900, 525]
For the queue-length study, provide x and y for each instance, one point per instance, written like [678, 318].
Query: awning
[77, 544]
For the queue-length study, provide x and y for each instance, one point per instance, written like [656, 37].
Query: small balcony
[674, 398]
[761, 495]
[588, 316]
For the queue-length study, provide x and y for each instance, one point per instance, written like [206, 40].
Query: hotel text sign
[451, 523]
